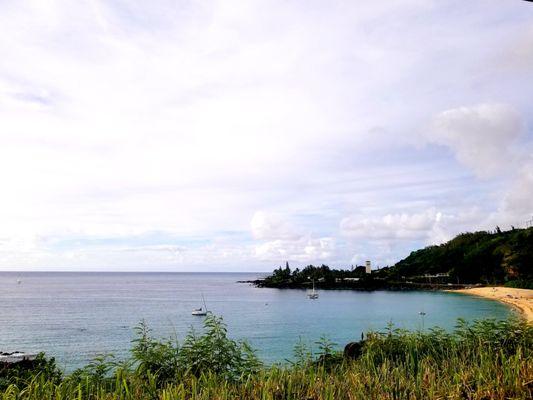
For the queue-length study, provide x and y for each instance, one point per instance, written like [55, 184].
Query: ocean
[78, 316]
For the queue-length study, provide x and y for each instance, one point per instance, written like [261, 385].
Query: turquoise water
[76, 316]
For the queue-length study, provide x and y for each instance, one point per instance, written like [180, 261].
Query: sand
[522, 299]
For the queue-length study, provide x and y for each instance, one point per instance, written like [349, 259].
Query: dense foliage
[211, 352]
[19, 375]
[479, 257]
[483, 360]
[325, 277]
[321, 275]
[520, 283]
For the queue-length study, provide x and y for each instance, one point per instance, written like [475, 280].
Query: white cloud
[387, 239]
[490, 139]
[519, 199]
[271, 226]
[304, 250]
[482, 136]
[391, 226]
[517, 203]
[281, 241]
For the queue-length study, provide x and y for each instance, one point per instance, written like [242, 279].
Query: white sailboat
[313, 294]
[202, 311]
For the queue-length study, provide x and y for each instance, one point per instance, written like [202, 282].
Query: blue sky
[229, 135]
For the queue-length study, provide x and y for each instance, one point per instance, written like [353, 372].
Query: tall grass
[481, 360]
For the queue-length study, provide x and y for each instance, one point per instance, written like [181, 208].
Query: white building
[368, 267]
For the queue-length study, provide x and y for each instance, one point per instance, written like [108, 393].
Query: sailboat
[200, 311]
[313, 294]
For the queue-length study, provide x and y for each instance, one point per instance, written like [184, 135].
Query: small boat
[313, 294]
[199, 312]
[202, 311]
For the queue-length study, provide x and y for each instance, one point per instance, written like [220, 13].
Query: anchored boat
[202, 311]
[313, 294]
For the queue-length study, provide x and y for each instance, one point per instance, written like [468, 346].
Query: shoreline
[520, 299]
[378, 284]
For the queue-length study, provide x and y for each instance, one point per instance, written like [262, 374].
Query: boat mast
[203, 299]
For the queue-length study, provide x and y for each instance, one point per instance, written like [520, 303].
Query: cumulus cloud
[383, 239]
[490, 139]
[272, 226]
[303, 250]
[281, 241]
[517, 203]
[391, 226]
[388, 238]
[481, 136]
[519, 199]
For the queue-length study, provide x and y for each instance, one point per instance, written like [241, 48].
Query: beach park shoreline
[520, 299]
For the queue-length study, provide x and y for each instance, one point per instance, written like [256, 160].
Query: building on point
[368, 267]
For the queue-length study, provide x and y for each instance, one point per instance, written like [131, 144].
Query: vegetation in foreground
[499, 257]
[483, 360]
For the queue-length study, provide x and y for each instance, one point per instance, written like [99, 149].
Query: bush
[212, 352]
[481, 360]
[215, 353]
[21, 375]
[520, 283]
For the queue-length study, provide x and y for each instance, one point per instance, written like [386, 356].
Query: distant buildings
[441, 275]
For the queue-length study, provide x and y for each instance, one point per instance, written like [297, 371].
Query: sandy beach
[522, 299]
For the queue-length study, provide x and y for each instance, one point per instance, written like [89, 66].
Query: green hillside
[479, 257]
[470, 258]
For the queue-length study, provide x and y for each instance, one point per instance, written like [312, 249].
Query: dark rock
[353, 350]
[17, 359]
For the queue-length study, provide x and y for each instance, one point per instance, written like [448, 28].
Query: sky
[235, 136]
